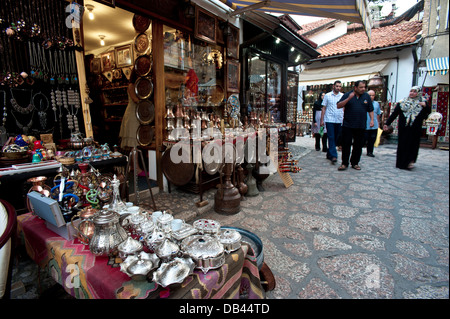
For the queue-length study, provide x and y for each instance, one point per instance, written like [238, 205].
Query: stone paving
[378, 233]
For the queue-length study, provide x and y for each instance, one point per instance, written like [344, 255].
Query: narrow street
[376, 233]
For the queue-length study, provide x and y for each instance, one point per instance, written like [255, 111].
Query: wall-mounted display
[233, 76]
[108, 60]
[124, 56]
[233, 42]
[205, 25]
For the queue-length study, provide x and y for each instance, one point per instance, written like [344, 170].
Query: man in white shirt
[332, 117]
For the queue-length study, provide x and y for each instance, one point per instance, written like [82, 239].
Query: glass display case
[194, 72]
[264, 94]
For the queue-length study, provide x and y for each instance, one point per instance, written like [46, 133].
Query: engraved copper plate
[141, 23]
[178, 174]
[145, 134]
[145, 111]
[143, 65]
[142, 43]
[143, 88]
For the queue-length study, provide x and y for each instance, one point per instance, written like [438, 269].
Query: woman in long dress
[315, 130]
[411, 112]
[130, 122]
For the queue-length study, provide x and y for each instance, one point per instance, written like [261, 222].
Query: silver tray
[174, 271]
[185, 231]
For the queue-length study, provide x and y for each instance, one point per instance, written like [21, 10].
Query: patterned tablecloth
[86, 276]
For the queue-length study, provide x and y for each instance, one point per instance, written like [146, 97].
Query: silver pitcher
[108, 233]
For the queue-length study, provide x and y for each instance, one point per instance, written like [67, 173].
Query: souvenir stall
[45, 124]
[187, 79]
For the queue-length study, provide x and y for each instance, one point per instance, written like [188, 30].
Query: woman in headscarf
[411, 112]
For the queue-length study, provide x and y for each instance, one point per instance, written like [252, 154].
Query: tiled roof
[316, 25]
[384, 37]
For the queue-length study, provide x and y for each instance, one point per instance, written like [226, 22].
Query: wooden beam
[159, 97]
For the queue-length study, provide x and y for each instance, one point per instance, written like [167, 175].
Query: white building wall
[327, 35]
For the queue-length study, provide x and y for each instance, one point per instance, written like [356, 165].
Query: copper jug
[85, 229]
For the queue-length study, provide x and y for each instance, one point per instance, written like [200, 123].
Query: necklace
[42, 110]
[5, 114]
[20, 109]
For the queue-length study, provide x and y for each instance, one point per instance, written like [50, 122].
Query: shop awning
[343, 73]
[346, 10]
[437, 65]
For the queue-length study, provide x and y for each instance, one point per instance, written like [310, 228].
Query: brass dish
[145, 111]
[143, 88]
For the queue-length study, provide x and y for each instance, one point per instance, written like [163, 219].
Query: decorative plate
[145, 134]
[143, 65]
[145, 111]
[141, 23]
[234, 105]
[143, 88]
[142, 43]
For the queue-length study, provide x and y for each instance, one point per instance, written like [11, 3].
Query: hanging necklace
[20, 109]
[24, 128]
[42, 109]
[5, 114]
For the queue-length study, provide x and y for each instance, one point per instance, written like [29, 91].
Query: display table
[86, 276]
[14, 185]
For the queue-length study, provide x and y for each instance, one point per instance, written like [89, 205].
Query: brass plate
[142, 43]
[145, 111]
[145, 134]
[143, 65]
[143, 88]
[141, 23]
[178, 174]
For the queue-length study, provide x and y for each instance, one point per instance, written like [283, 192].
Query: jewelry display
[20, 109]
[5, 114]
[42, 109]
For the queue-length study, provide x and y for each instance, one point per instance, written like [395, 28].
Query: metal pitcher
[108, 233]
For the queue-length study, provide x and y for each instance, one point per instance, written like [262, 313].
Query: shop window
[264, 93]
[194, 72]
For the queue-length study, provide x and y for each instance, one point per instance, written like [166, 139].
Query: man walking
[371, 132]
[332, 117]
[357, 104]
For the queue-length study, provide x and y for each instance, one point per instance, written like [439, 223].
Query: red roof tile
[384, 37]
[308, 27]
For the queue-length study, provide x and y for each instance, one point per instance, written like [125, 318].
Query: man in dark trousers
[356, 103]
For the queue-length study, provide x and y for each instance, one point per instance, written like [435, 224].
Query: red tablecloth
[85, 275]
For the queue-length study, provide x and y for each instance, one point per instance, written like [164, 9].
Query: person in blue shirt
[371, 132]
[356, 103]
[332, 117]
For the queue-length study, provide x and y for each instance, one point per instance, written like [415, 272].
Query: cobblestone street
[376, 233]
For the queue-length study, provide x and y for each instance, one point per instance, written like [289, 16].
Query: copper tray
[143, 65]
[142, 43]
[145, 111]
[141, 23]
[178, 174]
[143, 88]
[145, 134]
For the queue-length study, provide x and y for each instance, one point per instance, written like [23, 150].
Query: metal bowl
[230, 239]
[206, 251]
[174, 271]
